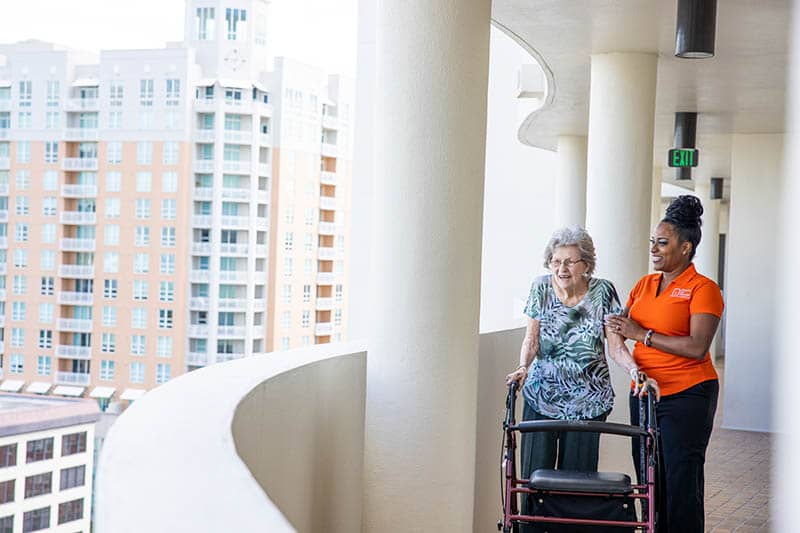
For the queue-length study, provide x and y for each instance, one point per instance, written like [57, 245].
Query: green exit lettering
[683, 157]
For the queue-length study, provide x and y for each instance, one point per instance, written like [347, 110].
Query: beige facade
[143, 206]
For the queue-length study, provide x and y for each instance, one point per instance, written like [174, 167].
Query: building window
[38, 484]
[51, 120]
[70, 511]
[337, 317]
[139, 318]
[111, 262]
[163, 371]
[73, 443]
[19, 284]
[144, 153]
[114, 154]
[17, 337]
[25, 120]
[168, 209]
[287, 267]
[142, 208]
[48, 233]
[168, 237]
[23, 153]
[17, 363]
[8, 455]
[47, 259]
[173, 93]
[306, 293]
[165, 318]
[110, 289]
[111, 237]
[164, 347]
[114, 120]
[109, 316]
[284, 343]
[288, 241]
[204, 22]
[287, 294]
[21, 230]
[235, 20]
[46, 313]
[142, 236]
[112, 208]
[108, 343]
[49, 206]
[306, 319]
[140, 289]
[51, 152]
[144, 182]
[115, 93]
[286, 319]
[45, 338]
[7, 492]
[166, 291]
[36, 520]
[72, 477]
[53, 93]
[138, 344]
[22, 205]
[137, 373]
[107, 370]
[339, 292]
[141, 263]
[167, 264]
[146, 92]
[18, 311]
[43, 365]
[21, 258]
[39, 450]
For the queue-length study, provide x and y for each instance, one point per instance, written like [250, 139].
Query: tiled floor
[737, 480]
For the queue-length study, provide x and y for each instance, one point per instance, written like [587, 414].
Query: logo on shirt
[681, 293]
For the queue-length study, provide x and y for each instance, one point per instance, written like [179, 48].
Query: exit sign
[683, 157]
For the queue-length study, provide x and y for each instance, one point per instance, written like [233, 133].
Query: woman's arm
[622, 356]
[702, 327]
[527, 353]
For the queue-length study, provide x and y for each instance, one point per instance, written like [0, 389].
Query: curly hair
[572, 236]
[684, 215]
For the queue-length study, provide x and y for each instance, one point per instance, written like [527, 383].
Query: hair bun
[685, 210]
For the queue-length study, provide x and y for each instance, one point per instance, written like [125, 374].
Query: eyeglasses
[555, 264]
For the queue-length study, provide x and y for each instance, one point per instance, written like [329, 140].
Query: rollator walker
[571, 501]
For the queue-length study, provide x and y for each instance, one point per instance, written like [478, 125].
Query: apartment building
[143, 201]
[46, 463]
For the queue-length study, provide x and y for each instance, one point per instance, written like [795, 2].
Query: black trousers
[564, 450]
[685, 422]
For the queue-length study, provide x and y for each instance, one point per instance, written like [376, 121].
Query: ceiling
[741, 90]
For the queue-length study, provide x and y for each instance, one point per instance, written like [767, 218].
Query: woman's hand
[519, 376]
[626, 327]
[644, 385]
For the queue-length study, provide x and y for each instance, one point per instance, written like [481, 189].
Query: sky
[319, 32]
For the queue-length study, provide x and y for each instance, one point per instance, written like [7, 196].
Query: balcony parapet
[244, 443]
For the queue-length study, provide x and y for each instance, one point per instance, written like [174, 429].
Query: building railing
[235, 221]
[233, 276]
[75, 298]
[235, 194]
[4, 215]
[329, 150]
[227, 248]
[327, 178]
[323, 328]
[231, 331]
[327, 228]
[78, 245]
[238, 137]
[78, 217]
[83, 104]
[238, 167]
[72, 190]
[80, 325]
[324, 304]
[73, 352]
[72, 378]
[325, 278]
[204, 165]
[204, 136]
[76, 271]
[233, 304]
[78, 164]
[327, 203]
[197, 359]
[81, 134]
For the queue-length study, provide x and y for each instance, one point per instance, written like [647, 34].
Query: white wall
[519, 196]
[753, 253]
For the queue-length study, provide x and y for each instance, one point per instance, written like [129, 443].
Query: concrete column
[620, 163]
[620, 177]
[432, 74]
[655, 198]
[571, 181]
[786, 469]
[707, 258]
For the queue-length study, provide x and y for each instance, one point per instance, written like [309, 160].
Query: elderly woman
[562, 367]
[673, 315]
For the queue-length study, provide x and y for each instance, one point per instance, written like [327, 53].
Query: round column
[706, 260]
[431, 88]
[571, 181]
[620, 164]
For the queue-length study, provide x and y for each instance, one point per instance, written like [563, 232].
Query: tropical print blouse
[569, 378]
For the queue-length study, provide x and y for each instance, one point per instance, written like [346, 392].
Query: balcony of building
[232, 304]
[201, 220]
[236, 167]
[327, 228]
[235, 222]
[327, 203]
[3, 269]
[76, 271]
[236, 193]
[75, 298]
[329, 150]
[72, 378]
[197, 359]
[199, 276]
[78, 218]
[324, 304]
[78, 245]
[67, 351]
[233, 276]
[227, 248]
[2, 295]
[77, 325]
[325, 278]
[81, 134]
[238, 136]
[327, 177]
[198, 330]
[231, 331]
[203, 166]
[82, 104]
[203, 193]
[79, 164]
[204, 105]
[205, 135]
[74, 190]
[201, 248]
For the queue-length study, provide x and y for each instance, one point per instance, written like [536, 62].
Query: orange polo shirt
[668, 314]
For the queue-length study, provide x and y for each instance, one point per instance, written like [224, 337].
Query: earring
[586, 275]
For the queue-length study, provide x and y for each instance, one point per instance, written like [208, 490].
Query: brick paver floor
[737, 480]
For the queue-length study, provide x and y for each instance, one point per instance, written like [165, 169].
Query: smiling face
[667, 252]
[568, 268]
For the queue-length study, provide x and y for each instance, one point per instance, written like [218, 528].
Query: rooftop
[23, 413]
